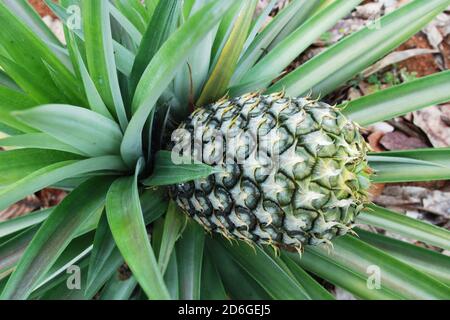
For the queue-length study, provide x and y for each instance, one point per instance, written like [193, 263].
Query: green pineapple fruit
[298, 174]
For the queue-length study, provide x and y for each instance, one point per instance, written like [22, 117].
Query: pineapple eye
[250, 194]
[233, 173]
[202, 204]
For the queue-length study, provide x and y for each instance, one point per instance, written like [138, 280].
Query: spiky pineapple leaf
[413, 229]
[272, 64]
[104, 257]
[132, 31]
[57, 289]
[54, 173]
[171, 276]
[134, 11]
[312, 287]
[37, 86]
[7, 82]
[103, 248]
[12, 250]
[93, 97]
[276, 281]
[161, 71]
[100, 56]
[357, 257]
[428, 261]
[356, 66]
[55, 235]
[223, 69]
[25, 11]
[237, 282]
[411, 165]
[258, 46]
[170, 169]
[23, 222]
[174, 223]
[17, 164]
[399, 100]
[211, 284]
[123, 57]
[357, 45]
[127, 225]
[38, 141]
[31, 54]
[189, 251]
[341, 275]
[88, 132]
[163, 24]
[118, 288]
[79, 248]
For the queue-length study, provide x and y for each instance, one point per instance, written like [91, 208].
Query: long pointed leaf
[127, 225]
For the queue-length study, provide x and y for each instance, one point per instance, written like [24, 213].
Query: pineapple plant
[192, 159]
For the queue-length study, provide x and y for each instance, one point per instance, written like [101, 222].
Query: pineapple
[273, 166]
[298, 176]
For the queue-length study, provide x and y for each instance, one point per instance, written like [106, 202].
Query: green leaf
[399, 100]
[131, 11]
[85, 130]
[93, 96]
[162, 69]
[32, 54]
[12, 250]
[127, 225]
[118, 289]
[163, 24]
[56, 289]
[6, 81]
[169, 171]
[293, 45]
[261, 42]
[358, 65]
[273, 278]
[258, 24]
[341, 275]
[238, 284]
[311, 286]
[27, 14]
[357, 45]
[308, 9]
[173, 227]
[38, 88]
[190, 80]
[124, 58]
[223, 70]
[103, 248]
[403, 225]
[132, 31]
[100, 56]
[55, 173]
[17, 164]
[398, 280]
[189, 251]
[410, 165]
[428, 261]
[37, 141]
[171, 276]
[211, 284]
[105, 257]
[54, 236]
[22, 222]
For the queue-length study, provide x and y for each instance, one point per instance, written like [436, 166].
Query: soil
[41, 8]
[423, 65]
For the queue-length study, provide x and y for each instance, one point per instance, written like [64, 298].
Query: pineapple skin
[293, 171]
